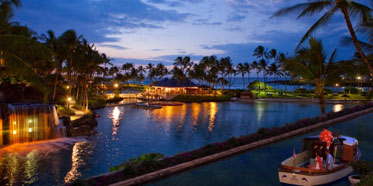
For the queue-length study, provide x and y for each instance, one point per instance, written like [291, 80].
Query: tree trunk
[55, 86]
[243, 81]
[322, 104]
[355, 40]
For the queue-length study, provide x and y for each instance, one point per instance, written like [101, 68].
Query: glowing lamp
[30, 121]
[69, 99]
[67, 87]
[337, 85]
[14, 132]
[116, 85]
[358, 77]
[29, 129]
[14, 123]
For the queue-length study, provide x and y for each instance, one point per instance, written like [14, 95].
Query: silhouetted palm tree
[347, 7]
[312, 65]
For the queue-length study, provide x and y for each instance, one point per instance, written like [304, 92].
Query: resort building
[168, 88]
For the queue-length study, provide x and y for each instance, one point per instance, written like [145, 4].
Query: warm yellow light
[116, 85]
[358, 77]
[29, 129]
[14, 132]
[14, 123]
[30, 121]
[67, 87]
[69, 99]
[337, 85]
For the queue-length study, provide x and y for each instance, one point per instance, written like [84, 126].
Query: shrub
[366, 180]
[96, 103]
[64, 111]
[363, 167]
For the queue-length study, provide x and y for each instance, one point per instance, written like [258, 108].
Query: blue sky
[143, 31]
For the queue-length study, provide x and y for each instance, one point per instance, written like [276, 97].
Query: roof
[175, 83]
[346, 139]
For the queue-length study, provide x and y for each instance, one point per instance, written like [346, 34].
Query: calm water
[259, 167]
[125, 132]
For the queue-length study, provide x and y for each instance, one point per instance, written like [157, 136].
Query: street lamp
[68, 102]
[336, 87]
[116, 85]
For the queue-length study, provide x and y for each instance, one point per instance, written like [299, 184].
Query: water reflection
[77, 162]
[116, 117]
[337, 107]
[212, 112]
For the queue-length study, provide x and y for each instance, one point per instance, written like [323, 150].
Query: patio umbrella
[326, 136]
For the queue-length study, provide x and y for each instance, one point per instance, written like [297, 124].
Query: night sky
[143, 31]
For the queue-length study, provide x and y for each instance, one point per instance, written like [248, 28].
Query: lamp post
[68, 102]
[336, 87]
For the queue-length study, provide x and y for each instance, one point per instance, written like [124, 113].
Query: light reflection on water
[125, 132]
[77, 161]
[35, 163]
[337, 107]
[116, 117]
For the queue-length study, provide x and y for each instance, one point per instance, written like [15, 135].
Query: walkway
[78, 114]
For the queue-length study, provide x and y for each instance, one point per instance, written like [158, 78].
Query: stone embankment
[84, 126]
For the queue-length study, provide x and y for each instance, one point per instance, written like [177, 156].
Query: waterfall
[30, 122]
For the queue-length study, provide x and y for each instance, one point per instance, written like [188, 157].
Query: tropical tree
[347, 7]
[313, 65]
[160, 71]
[15, 48]
[242, 70]
[71, 41]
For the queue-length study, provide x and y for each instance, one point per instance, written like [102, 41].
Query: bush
[114, 100]
[363, 167]
[63, 111]
[352, 90]
[366, 180]
[96, 103]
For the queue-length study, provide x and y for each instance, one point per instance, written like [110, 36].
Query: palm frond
[292, 9]
[357, 9]
[346, 41]
[315, 7]
[321, 22]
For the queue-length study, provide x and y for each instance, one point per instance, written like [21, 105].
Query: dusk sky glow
[143, 31]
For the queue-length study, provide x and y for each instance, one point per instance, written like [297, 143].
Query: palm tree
[56, 46]
[247, 68]
[71, 40]
[15, 60]
[241, 69]
[161, 71]
[263, 66]
[151, 72]
[312, 65]
[347, 7]
[255, 66]
[140, 74]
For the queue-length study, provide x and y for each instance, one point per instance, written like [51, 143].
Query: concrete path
[78, 114]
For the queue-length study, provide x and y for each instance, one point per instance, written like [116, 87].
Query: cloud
[114, 46]
[98, 21]
[173, 3]
[236, 17]
[206, 22]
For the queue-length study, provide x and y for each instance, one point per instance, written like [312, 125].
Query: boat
[147, 106]
[299, 170]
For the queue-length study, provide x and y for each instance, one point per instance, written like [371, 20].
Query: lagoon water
[124, 132]
[259, 166]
